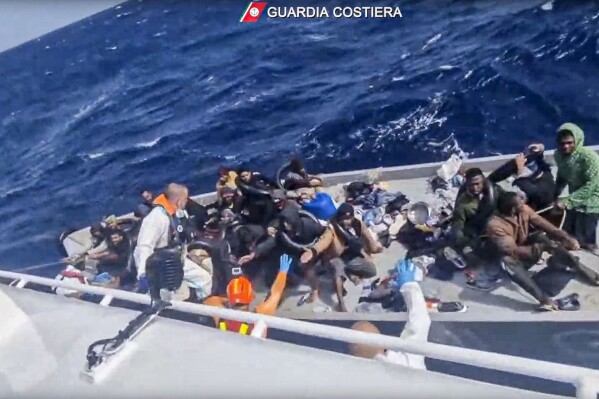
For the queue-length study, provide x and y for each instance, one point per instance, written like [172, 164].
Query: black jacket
[305, 231]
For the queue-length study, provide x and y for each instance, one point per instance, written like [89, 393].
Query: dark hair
[223, 170]
[562, 134]
[472, 173]
[296, 164]
[244, 168]
[506, 202]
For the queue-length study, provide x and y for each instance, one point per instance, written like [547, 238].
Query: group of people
[214, 253]
[517, 227]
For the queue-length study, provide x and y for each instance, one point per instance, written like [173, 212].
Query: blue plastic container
[322, 206]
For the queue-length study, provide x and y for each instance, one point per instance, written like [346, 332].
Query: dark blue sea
[151, 92]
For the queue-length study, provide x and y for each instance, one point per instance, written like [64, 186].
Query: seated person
[360, 188]
[347, 245]
[198, 214]
[280, 202]
[115, 259]
[509, 233]
[416, 329]
[532, 176]
[240, 294]
[297, 177]
[226, 178]
[229, 199]
[255, 205]
[243, 238]
[146, 205]
[475, 204]
[98, 244]
[293, 234]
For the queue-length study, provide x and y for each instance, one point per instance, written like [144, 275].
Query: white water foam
[447, 67]
[148, 144]
[431, 41]
[86, 110]
[96, 155]
[547, 6]
[405, 129]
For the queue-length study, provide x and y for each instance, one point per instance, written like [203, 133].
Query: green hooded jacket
[580, 171]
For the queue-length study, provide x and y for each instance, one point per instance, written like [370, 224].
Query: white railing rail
[585, 380]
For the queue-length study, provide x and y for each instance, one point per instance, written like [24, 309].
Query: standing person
[416, 329]
[578, 169]
[160, 252]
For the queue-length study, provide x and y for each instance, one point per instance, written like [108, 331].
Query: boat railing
[585, 380]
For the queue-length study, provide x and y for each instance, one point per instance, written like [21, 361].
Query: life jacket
[168, 262]
[236, 326]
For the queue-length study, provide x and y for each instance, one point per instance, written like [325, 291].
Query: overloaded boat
[57, 331]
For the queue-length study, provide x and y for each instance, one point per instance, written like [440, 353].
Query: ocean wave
[129, 109]
[148, 144]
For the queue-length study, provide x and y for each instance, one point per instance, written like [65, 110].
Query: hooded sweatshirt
[580, 171]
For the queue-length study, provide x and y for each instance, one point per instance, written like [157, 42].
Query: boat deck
[500, 303]
[506, 303]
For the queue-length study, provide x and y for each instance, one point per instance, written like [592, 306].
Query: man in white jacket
[417, 326]
[157, 231]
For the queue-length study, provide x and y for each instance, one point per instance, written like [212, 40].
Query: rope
[36, 267]
[561, 225]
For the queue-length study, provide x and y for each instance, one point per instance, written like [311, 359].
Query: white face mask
[181, 213]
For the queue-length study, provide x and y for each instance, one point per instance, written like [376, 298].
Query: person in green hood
[578, 169]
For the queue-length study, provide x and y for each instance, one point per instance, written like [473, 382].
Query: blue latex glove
[142, 286]
[406, 272]
[285, 263]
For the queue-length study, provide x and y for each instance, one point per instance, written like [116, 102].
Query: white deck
[43, 346]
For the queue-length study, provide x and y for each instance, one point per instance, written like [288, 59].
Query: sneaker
[547, 307]
[481, 285]
[452, 307]
[452, 256]
[569, 303]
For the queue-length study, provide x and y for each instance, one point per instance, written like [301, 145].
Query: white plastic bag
[450, 168]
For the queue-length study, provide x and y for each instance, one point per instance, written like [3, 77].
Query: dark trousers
[518, 269]
[582, 226]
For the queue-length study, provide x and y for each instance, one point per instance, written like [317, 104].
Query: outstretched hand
[406, 272]
[285, 263]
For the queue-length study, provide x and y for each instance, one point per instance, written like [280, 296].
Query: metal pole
[489, 360]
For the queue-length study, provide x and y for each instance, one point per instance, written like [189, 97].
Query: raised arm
[419, 322]
[269, 306]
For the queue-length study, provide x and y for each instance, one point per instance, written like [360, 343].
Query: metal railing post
[587, 388]
[586, 380]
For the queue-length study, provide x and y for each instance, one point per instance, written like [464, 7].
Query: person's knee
[510, 264]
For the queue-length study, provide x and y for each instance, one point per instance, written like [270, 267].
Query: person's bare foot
[313, 297]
